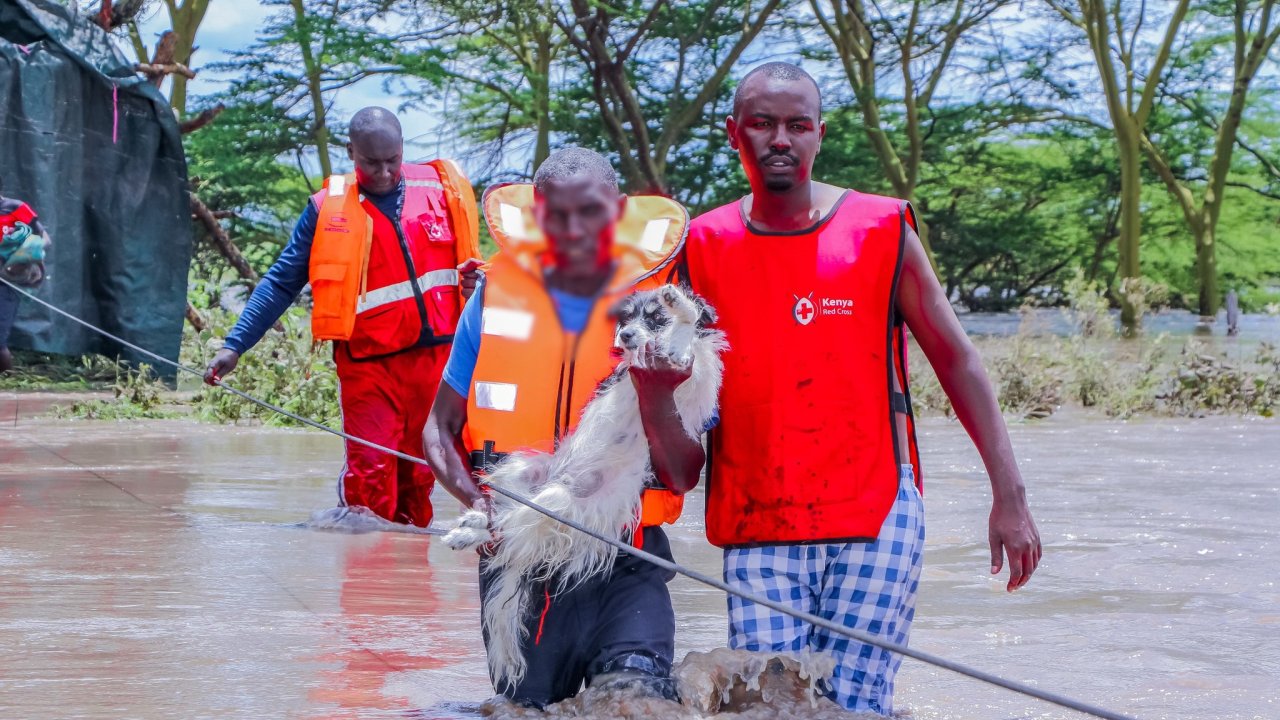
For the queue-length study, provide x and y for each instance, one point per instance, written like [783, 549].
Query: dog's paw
[471, 531]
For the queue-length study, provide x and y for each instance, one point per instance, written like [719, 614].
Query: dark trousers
[8, 312]
[621, 623]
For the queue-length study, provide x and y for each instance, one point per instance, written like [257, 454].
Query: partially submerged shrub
[285, 368]
[1088, 310]
[1027, 382]
[136, 394]
[1206, 382]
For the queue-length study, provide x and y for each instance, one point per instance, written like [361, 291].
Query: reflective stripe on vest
[532, 379]
[386, 284]
[404, 290]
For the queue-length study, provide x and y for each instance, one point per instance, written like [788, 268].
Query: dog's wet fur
[597, 475]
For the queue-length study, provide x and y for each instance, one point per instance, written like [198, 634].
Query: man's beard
[779, 184]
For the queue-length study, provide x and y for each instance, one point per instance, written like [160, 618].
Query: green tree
[653, 69]
[1129, 88]
[916, 40]
[1197, 183]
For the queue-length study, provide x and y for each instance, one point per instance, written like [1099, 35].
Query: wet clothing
[808, 449]
[618, 623]
[809, 490]
[385, 400]
[869, 587]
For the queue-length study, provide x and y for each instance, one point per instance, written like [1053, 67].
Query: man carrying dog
[814, 476]
[531, 347]
[382, 249]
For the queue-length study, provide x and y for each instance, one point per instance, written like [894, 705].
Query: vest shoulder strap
[460, 200]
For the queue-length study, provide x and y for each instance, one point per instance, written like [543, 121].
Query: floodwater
[1256, 327]
[156, 570]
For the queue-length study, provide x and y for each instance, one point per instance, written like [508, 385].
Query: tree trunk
[1207, 269]
[542, 100]
[1130, 218]
[186, 21]
[320, 133]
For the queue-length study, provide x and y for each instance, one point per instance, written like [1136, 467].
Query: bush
[285, 368]
[137, 395]
[1204, 382]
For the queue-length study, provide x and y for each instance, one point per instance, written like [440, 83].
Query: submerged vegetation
[1036, 372]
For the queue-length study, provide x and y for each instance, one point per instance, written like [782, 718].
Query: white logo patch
[803, 310]
[806, 308]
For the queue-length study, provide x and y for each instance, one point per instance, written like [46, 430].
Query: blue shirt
[573, 311]
[291, 272]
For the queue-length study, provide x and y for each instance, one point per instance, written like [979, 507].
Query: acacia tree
[305, 54]
[1129, 88]
[655, 68]
[1253, 35]
[914, 39]
[496, 62]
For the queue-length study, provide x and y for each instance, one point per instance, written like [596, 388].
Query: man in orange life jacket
[813, 487]
[539, 326]
[382, 251]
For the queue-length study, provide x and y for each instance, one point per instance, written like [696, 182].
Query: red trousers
[387, 401]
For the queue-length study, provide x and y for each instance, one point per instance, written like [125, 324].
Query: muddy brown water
[154, 570]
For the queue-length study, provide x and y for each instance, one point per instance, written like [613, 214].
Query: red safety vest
[533, 378]
[383, 287]
[806, 449]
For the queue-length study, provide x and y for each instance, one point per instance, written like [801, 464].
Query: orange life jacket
[807, 447]
[383, 287]
[532, 378]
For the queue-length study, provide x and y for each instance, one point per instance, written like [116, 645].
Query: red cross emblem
[804, 309]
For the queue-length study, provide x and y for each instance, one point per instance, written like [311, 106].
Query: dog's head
[648, 317]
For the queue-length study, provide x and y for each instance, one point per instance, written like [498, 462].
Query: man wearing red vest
[382, 250]
[532, 346]
[814, 482]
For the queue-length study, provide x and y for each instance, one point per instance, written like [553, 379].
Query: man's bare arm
[442, 445]
[924, 305]
[677, 459]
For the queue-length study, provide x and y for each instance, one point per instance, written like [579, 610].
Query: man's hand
[221, 365]
[660, 375]
[468, 277]
[1012, 532]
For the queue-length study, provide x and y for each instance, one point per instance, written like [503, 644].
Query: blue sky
[233, 24]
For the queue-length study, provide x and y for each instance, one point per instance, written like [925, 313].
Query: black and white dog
[597, 475]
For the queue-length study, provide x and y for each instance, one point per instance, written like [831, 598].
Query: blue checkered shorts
[866, 586]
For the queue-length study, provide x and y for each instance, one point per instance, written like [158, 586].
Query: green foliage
[44, 371]
[136, 395]
[285, 369]
[1207, 382]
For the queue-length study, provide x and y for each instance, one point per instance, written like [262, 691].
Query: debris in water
[722, 684]
[359, 520]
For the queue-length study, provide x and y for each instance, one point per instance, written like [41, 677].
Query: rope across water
[621, 546]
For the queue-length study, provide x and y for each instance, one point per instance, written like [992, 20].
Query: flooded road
[154, 570]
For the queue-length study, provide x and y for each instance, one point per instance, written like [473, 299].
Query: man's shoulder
[879, 203]
[720, 216]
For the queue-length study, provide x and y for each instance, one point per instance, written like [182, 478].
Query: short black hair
[567, 162]
[775, 71]
[373, 119]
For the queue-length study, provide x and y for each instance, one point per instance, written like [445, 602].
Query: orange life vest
[383, 287]
[532, 378]
[807, 447]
